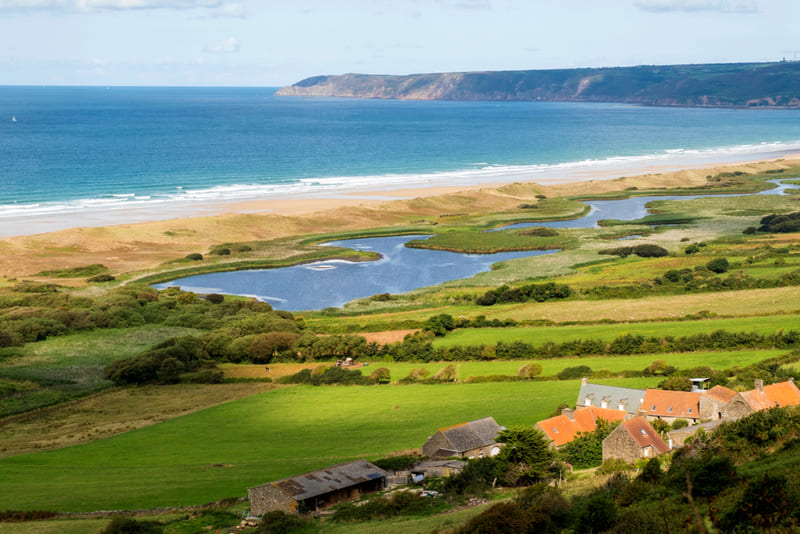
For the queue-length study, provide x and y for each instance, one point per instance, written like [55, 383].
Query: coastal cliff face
[714, 85]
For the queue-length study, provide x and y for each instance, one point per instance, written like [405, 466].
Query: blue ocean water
[68, 149]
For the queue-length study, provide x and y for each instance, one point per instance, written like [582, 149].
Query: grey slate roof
[613, 395]
[332, 478]
[472, 435]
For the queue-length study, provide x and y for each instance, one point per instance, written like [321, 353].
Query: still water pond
[401, 269]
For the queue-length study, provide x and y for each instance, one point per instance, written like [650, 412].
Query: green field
[221, 451]
[615, 364]
[541, 335]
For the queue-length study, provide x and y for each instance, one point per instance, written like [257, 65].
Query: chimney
[759, 385]
[569, 412]
[584, 381]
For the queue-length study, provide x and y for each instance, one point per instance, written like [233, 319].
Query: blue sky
[273, 43]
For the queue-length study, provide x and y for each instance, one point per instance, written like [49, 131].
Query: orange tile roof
[644, 434]
[660, 403]
[561, 429]
[780, 394]
[721, 393]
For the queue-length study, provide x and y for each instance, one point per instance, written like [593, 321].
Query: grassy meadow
[220, 451]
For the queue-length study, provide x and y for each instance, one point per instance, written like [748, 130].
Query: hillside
[716, 85]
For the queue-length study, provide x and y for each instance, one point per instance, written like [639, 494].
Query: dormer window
[604, 404]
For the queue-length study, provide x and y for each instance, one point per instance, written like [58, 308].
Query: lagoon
[400, 269]
[333, 283]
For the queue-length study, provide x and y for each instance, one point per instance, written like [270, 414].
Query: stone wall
[619, 444]
[268, 498]
[736, 408]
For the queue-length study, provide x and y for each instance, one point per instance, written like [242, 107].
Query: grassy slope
[258, 439]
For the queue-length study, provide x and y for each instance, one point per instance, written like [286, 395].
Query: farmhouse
[564, 428]
[317, 489]
[612, 397]
[474, 439]
[671, 405]
[713, 402]
[761, 398]
[632, 440]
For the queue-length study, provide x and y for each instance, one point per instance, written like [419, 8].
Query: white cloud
[230, 45]
[721, 6]
[93, 6]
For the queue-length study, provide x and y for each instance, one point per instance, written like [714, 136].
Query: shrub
[100, 278]
[277, 522]
[394, 463]
[571, 373]
[215, 298]
[673, 275]
[692, 249]
[127, 525]
[676, 383]
[446, 374]
[650, 251]
[539, 231]
[194, 256]
[381, 376]
[718, 265]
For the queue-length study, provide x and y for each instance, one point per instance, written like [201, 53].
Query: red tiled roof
[645, 435]
[721, 393]
[660, 403]
[780, 394]
[561, 429]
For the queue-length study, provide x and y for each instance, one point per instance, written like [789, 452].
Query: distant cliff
[716, 85]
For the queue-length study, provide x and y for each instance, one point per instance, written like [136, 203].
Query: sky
[271, 43]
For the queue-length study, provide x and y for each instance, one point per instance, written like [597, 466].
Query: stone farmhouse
[611, 397]
[474, 439]
[633, 440]
[317, 489]
[762, 397]
[564, 428]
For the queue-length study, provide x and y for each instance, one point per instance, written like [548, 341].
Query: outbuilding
[317, 489]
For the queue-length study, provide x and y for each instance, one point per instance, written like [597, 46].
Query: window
[670, 409]
[690, 410]
[654, 407]
[554, 430]
[642, 431]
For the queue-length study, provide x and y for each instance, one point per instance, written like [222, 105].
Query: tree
[526, 451]
[381, 376]
[718, 265]
[676, 383]
[529, 371]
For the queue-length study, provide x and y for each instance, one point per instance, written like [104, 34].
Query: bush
[718, 265]
[194, 256]
[127, 525]
[381, 376]
[215, 298]
[100, 278]
[571, 373]
[277, 522]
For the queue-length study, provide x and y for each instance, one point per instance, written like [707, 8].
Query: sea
[133, 153]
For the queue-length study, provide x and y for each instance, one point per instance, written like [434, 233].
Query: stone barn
[317, 489]
[632, 440]
[474, 439]
[761, 398]
[713, 402]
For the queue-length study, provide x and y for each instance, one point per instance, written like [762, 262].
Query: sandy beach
[140, 239]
